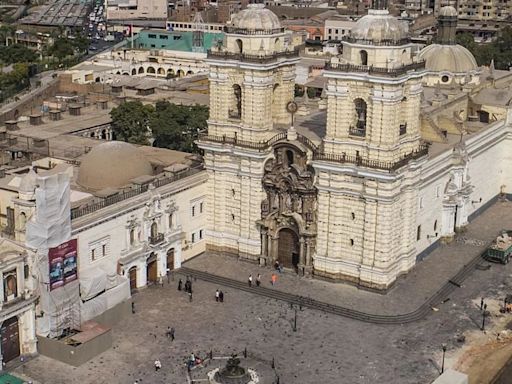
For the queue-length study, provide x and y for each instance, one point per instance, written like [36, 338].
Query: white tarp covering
[48, 228]
[109, 299]
[92, 283]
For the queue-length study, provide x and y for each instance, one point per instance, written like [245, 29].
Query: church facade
[399, 166]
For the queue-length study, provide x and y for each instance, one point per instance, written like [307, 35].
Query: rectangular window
[151, 36]
[200, 234]
[193, 211]
[438, 191]
[176, 37]
[93, 254]
[418, 233]
[201, 207]
[193, 238]
[103, 249]
[164, 37]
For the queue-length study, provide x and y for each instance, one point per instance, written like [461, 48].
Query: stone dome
[112, 165]
[377, 26]
[448, 11]
[256, 18]
[449, 58]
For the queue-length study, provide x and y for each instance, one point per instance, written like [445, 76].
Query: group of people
[188, 287]
[193, 361]
[219, 296]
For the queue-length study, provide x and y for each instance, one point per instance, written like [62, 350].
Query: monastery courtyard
[325, 348]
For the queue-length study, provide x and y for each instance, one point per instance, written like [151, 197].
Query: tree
[498, 50]
[17, 53]
[81, 43]
[61, 48]
[177, 126]
[6, 32]
[130, 122]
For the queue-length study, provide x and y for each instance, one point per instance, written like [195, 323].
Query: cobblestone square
[325, 348]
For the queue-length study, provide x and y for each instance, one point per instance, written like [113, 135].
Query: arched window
[359, 127]
[289, 157]
[239, 45]
[154, 230]
[276, 104]
[134, 71]
[150, 70]
[132, 236]
[277, 45]
[364, 57]
[23, 220]
[141, 70]
[235, 112]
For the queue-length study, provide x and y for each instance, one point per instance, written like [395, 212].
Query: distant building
[337, 28]
[136, 9]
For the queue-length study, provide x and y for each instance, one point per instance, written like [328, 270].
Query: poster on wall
[63, 264]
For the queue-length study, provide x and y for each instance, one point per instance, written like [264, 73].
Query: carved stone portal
[288, 214]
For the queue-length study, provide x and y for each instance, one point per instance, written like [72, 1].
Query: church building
[397, 164]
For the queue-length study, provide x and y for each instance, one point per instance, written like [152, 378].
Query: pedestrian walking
[258, 280]
[221, 296]
[190, 296]
[250, 281]
[133, 307]
[168, 273]
[274, 279]
[180, 283]
[172, 333]
[217, 295]
[481, 303]
[485, 307]
[158, 365]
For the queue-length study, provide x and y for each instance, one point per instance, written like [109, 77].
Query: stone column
[302, 256]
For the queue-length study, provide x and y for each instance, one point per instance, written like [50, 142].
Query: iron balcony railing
[393, 43]
[252, 58]
[157, 239]
[318, 152]
[376, 164]
[392, 72]
[244, 31]
[132, 192]
[354, 131]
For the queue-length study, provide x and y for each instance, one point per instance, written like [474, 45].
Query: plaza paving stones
[325, 348]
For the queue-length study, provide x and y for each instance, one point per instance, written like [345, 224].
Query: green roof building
[190, 41]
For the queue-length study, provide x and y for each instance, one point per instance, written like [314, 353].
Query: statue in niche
[288, 202]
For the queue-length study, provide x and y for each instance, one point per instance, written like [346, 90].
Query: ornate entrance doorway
[288, 248]
[288, 213]
[10, 339]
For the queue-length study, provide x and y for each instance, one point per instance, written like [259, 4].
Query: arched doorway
[288, 248]
[10, 339]
[151, 269]
[170, 259]
[132, 273]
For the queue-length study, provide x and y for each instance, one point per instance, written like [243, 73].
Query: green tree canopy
[17, 53]
[61, 48]
[498, 50]
[130, 122]
[177, 126]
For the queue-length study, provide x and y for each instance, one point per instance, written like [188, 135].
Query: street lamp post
[442, 365]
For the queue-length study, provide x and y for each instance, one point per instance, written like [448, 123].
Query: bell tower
[368, 165]
[252, 78]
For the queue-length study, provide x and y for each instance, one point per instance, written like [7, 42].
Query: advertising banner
[63, 264]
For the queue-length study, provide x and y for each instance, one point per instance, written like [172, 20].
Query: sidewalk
[409, 291]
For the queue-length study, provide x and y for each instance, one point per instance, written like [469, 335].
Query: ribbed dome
[448, 11]
[450, 58]
[112, 165]
[256, 18]
[379, 26]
